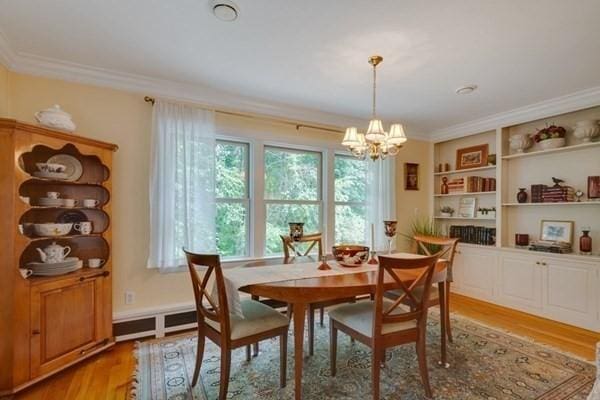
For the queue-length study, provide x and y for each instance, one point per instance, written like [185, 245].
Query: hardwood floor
[108, 375]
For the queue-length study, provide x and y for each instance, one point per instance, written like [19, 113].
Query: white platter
[74, 169]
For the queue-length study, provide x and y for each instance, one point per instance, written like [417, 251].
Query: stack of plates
[48, 202]
[51, 175]
[70, 264]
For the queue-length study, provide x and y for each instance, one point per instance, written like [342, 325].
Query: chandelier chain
[374, 90]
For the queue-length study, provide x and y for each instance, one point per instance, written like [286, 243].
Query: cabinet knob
[106, 273]
[537, 263]
[35, 332]
[543, 263]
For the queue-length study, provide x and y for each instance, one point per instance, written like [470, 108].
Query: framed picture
[466, 207]
[557, 231]
[472, 157]
[594, 187]
[411, 176]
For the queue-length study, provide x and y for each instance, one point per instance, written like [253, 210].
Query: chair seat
[359, 316]
[258, 318]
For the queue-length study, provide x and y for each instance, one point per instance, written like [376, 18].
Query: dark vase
[522, 196]
[585, 242]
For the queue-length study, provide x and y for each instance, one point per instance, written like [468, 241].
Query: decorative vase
[520, 142]
[296, 230]
[446, 214]
[56, 118]
[585, 241]
[522, 195]
[553, 143]
[444, 188]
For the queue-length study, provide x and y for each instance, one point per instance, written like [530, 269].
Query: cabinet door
[570, 292]
[474, 272]
[520, 282]
[66, 321]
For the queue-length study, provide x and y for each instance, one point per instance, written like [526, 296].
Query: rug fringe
[134, 381]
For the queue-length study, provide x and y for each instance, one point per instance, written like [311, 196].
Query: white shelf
[463, 194]
[465, 218]
[464, 171]
[575, 147]
[559, 203]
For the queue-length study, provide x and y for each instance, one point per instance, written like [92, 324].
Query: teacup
[52, 195]
[90, 203]
[69, 202]
[25, 273]
[95, 262]
[85, 228]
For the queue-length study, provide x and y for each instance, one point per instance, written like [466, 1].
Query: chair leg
[311, 330]
[248, 353]
[289, 311]
[376, 371]
[447, 297]
[199, 355]
[255, 345]
[283, 360]
[322, 320]
[332, 347]
[443, 327]
[422, 357]
[225, 369]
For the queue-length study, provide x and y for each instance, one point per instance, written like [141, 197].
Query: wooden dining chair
[230, 331]
[383, 323]
[445, 248]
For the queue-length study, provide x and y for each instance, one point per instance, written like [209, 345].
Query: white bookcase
[563, 287]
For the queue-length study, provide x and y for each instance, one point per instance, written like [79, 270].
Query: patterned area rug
[486, 364]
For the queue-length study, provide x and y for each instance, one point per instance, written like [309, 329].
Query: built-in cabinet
[559, 287]
[50, 322]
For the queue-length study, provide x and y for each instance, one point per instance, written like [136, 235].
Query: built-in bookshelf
[572, 163]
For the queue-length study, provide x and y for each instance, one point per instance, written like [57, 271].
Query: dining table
[302, 292]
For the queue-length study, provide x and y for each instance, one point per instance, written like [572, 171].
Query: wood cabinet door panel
[66, 319]
[474, 273]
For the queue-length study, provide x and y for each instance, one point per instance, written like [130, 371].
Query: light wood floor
[108, 375]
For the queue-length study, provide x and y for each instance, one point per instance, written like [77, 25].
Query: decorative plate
[61, 176]
[74, 168]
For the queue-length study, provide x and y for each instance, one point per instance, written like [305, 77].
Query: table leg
[299, 315]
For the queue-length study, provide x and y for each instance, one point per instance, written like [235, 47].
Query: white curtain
[182, 182]
[381, 199]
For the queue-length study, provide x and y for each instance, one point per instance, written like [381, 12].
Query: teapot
[54, 117]
[54, 253]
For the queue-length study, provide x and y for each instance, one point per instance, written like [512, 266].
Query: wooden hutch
[48, 323]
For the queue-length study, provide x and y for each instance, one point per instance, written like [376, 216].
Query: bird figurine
[557, 181]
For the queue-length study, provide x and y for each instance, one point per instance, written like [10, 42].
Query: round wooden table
[302, 292]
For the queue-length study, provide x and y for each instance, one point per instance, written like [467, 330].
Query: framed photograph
[466, 207]
[411, 176]
[472, 157]
[594, 187]
[557, 231]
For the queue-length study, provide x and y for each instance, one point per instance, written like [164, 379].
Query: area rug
[486, 364]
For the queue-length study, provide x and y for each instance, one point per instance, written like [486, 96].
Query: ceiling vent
[225, 10]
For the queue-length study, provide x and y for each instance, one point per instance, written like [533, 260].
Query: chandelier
[376, 143]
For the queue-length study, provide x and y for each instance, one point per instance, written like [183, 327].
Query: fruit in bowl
[350, 255]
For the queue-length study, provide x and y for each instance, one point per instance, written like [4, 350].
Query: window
[292, 193]
[231, 192]
[350, 199]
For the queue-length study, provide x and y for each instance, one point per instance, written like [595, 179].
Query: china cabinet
[52, 318]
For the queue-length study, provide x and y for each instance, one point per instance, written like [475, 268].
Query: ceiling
[313, 53]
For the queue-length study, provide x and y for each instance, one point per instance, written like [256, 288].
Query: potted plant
[446, 211]
[550, 137]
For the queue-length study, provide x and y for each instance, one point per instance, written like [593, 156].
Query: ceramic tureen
[56, 118]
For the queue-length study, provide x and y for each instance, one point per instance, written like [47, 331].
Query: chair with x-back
[383, 323]
[229, 331]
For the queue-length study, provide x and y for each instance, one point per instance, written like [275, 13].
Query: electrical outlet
[129, 297]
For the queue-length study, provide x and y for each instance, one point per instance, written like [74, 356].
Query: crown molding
[544, 109]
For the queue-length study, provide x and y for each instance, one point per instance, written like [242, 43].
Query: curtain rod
[152, 100]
